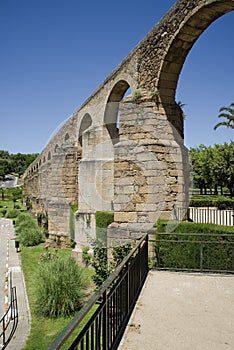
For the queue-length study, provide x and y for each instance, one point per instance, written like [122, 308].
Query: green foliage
[221, 202]
[29, 233]
[74, 207]
[42, 220]
[12, 214]
[103, 220]
[120, 252]
[213, 167]
[86, 257]
[99, 262]
[60, 288]
[15, 163]
[184, 251]
[72, 224]
[48, 254]
[192, 227]
[136, 95]
[16, 194]
[228, 114]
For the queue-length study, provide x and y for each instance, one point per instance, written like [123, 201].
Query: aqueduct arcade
[121, 152]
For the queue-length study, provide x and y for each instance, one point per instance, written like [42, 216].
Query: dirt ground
[182, 311]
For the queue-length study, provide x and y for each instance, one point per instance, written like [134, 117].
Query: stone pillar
[96, 189]
[149, 168]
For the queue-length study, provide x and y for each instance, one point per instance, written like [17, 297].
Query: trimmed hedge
[192, 227]
[220, 202]
[179, 251]
[103, 220]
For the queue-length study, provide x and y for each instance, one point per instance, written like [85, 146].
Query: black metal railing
[9, 321]
[195, 252]
[115, 300]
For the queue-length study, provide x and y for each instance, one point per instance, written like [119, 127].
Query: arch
[56, 148]
[182, 42]
[67, 137]
[49, 155]
[85, 124]
[112, 108]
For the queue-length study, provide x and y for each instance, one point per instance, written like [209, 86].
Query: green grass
[10, 205]
[43, 330]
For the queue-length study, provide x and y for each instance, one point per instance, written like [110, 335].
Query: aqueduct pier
[125, 153]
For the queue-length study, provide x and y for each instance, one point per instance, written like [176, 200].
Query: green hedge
[103, 220]
[179, 251]
[221, 202]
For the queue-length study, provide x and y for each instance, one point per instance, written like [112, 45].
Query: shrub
[184, 251]
[29, 233]
[221, 202]
[86, 257]
[103, 220]
[12, 214]
[225, 203]
[99, 262]
[60, 288]
[120, 252]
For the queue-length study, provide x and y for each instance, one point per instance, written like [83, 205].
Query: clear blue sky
[55, 53]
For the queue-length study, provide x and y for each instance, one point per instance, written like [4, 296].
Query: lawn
[43, 330]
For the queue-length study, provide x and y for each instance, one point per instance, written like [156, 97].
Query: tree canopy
[213, 167]
[14, 163]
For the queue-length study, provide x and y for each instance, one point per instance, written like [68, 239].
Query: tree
[228, 113]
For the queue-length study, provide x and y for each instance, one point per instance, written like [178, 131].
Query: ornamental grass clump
[60, 288]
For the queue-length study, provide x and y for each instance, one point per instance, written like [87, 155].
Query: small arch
[111, 116]
[67, 137]
[84, 125]
[49, 156]
[44, 159]
[56, 148]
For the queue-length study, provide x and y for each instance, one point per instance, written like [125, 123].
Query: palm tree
[228, 113]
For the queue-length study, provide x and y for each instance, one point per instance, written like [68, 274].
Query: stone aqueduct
[125, 153]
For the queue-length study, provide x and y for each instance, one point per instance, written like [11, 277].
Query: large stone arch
[194, 24]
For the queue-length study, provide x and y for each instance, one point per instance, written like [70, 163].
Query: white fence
[211, 215]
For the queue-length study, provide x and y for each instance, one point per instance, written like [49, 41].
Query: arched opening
[85, 124]
[177, 53]
[112, 117]
[66, 137]
[182, 44]
[56, 148]
[205, 84]
[49, 155]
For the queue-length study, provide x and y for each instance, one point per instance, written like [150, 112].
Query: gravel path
[181, 311]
